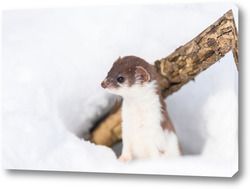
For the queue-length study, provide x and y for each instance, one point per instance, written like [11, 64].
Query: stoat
[147, 131]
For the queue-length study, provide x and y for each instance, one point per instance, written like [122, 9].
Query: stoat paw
[125, 158]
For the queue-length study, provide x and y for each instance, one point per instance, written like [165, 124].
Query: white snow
[54, 61]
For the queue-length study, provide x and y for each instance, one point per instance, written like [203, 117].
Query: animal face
[125, 74]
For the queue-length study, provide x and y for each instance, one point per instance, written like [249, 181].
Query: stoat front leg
[126, 155]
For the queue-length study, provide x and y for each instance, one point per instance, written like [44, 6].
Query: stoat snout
[103, 84]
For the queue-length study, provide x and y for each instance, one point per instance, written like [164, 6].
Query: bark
[183, 65]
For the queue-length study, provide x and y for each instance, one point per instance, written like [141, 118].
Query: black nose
[103, 85]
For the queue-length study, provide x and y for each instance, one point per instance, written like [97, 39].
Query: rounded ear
[142, 74]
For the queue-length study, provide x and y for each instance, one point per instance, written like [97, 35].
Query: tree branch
[197, 55]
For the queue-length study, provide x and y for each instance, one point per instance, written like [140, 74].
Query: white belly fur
[142, 133]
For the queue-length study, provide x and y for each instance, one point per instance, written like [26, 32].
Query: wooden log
[183, 65]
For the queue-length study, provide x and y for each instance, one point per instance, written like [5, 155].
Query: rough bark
[183, 65]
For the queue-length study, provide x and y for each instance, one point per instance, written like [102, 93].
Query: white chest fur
[143, 136]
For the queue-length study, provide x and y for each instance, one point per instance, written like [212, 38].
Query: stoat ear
[142, 74]
[117, 60]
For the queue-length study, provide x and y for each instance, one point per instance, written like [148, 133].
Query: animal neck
[144, 99]
[140, 93]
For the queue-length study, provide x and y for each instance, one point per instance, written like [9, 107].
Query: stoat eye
[120, 79]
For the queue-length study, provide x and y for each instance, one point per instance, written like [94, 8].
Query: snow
[54, 61]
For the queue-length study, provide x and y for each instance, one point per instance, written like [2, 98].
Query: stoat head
[128, 73]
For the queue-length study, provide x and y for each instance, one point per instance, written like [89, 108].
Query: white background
[63, 180]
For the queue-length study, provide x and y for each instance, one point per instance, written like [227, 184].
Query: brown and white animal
[147, 131]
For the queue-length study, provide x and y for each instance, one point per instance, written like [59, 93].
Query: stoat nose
[103, 85]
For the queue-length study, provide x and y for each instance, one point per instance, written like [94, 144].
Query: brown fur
[126, 67]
